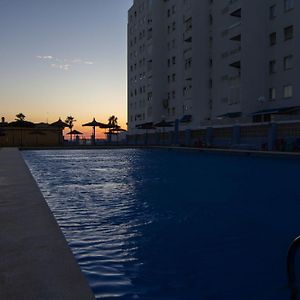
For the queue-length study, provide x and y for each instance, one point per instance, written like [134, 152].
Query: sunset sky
[63, 57]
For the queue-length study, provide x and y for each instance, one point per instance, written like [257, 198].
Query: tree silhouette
[113, 122]
[20, 117]
[70, 121]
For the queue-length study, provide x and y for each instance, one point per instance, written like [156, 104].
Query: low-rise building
[27, 134]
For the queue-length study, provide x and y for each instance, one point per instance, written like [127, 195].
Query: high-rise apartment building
[206, 62]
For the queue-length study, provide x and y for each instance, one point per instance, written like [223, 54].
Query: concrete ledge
[35, 260]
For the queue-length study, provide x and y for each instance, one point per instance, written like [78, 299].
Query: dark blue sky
[60, 57]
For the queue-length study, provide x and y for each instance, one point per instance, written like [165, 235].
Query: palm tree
[112, 124]
[70, 121]
[113, 121]
[20, 117]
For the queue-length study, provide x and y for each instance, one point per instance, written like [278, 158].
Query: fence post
[236, 135]
[209, 136]
[272, 133]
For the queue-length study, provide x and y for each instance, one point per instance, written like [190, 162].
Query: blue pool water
[166, 225]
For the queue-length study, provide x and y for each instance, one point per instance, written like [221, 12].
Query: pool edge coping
[36, 260]
[187, 149]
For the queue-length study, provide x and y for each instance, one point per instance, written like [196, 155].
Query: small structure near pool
[24, 133]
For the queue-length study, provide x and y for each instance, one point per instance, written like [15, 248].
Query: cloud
[46, 57]
[62, 63]
[61, 67]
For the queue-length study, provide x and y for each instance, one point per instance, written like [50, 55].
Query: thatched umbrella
[146, 127]
[60, 124]
[21, 124]
[164, 124]
[74, 132]
[95, 124]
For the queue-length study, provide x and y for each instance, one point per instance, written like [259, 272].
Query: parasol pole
[94, 135]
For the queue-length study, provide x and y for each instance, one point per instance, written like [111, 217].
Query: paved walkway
[35, 260]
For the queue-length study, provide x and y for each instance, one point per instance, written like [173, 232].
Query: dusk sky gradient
[63, 57]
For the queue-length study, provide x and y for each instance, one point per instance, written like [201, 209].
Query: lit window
[288, 62]
[288, 91]
[272, 94]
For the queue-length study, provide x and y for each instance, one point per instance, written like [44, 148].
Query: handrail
[291, 272]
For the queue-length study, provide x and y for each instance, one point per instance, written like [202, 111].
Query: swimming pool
[158, 224]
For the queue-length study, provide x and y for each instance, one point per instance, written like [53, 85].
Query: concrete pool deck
[35, 261]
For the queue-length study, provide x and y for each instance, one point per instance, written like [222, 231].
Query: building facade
[213, 62]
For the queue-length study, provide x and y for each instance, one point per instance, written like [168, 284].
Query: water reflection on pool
[174, 225]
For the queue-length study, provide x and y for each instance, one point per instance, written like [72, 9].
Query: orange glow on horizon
[87, 131]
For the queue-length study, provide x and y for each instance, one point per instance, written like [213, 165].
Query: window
[288, 33]
[149, 96]
[173, 111]
[288, 5]
[187, 90]
[272, 66]
[188, 63]
[272, 38]
[272, 12]
[149, 65]
[173, 26]
[288, 62]
[288, 91]
[173, 9]
[272, 94]
[174, 60]
[173, 43]
[188, 24]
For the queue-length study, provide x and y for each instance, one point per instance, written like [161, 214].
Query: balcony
[234, 6]
[187, 36]
[236, 64]
[234, 31]
[236, 13]
[236, 38]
